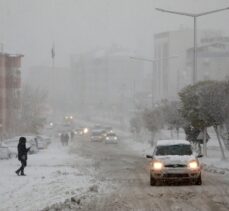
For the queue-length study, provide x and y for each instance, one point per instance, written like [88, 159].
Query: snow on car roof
[171, 142]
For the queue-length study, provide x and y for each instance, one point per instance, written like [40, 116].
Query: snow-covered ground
[53, 175]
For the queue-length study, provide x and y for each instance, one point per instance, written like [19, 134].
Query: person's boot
[22, 173]
[17, 172]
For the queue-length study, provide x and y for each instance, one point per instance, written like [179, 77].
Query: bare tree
[153, 121]
[32, 109]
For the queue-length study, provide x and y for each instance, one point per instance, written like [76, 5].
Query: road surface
[127, 172]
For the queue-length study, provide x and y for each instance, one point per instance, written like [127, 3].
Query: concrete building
[212, 58]
[107, 80]
[169, 65]
[10, 85]
[173, 66]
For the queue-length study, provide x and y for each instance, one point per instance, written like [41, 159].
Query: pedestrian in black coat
[66, 137]
[22, 155]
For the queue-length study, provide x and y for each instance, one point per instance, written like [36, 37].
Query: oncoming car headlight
[157, 165]
[193, 165]
[85, 130]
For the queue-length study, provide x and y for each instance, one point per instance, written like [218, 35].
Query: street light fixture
[153, 60]
[194, 16]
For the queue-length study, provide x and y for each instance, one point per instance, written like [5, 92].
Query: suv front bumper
[175, 173]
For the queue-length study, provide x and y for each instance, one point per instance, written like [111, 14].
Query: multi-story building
[212, 58]
[169, 62]
[173, 63]
[108, 80]
[10, 85]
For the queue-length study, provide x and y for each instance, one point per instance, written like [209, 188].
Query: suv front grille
[175, 175]
[176, 166]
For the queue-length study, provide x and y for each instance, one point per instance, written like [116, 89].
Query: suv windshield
[111, 134]
[96, 133]
[181, 149]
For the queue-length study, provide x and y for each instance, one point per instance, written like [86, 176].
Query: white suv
[174, 160]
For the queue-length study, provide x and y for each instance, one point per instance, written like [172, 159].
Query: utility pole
[53, 54]
[52, 74]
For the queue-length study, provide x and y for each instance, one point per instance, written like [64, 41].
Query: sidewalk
[52, 176]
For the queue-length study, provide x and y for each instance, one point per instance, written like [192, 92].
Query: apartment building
[10, 85]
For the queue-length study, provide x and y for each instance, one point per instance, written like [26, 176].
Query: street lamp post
[194, 16]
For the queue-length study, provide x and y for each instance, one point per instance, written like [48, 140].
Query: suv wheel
[198, 180]
[152, 181]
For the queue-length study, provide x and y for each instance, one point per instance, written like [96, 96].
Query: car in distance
[108, 129]
[97, 136]
[174, 160]
[111, 138]
[4, 152]
[41, 141]
[81, 131]
[11, 144]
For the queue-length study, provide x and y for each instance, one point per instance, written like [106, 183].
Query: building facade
[107, 80]
[10, 85]
[169, 62]
[173, 62]
[212, 58]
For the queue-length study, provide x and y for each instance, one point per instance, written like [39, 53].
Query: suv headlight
[157, 165]
[193, 165]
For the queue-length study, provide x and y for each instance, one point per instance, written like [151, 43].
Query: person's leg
[20, 169]
[23, 167]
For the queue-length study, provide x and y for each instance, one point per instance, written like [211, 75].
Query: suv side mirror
[149, 156]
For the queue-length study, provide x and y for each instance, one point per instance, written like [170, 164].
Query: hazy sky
[31, 26]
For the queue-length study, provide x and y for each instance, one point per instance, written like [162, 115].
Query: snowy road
[101, 177]
[127, 171]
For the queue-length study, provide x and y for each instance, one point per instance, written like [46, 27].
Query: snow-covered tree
[32, 108]
[172, 116]
[153, 120]
[205, 104]
[135, 125]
